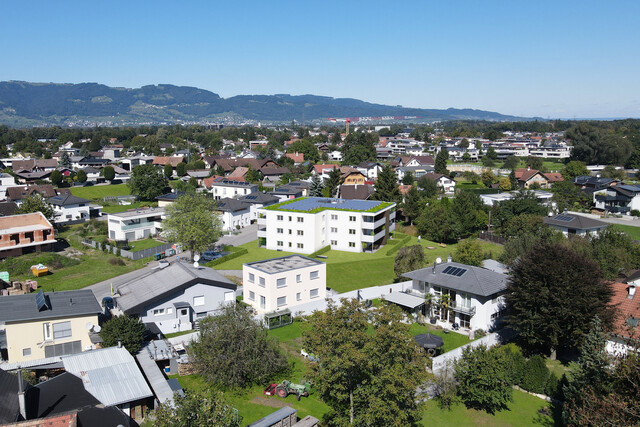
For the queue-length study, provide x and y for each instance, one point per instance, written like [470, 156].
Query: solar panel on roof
[564, 218]
[41, 301]
[448, 270]
[461, 271]
[454, 271]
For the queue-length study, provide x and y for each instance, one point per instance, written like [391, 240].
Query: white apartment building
[231, 189]
[306, 224]
[283, 283]
[135, 224]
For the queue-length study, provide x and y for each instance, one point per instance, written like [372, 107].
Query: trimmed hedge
[320, 251]
[398, 244]
[235, 253]
[536, 375]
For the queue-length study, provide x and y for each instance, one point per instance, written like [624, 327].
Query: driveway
[625, 220]
[246, 235]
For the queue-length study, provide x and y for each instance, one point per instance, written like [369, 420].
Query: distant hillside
[38, 104]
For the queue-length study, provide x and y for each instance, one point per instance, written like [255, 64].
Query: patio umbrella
[429, 341]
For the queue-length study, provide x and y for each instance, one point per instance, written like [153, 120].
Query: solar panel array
[564, 218]
[454, 271]
[41, 301]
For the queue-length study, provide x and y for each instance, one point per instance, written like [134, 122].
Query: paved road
[246, 235]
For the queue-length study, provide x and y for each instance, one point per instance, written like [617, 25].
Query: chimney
[119, 343]
[632, 291]
[434, 267]
[21, 401]
[449, 258]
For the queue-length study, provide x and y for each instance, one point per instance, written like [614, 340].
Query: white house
[618, 199]
[443, 182]
[283, 283]
[232, 189]
[335, 156]
[370, 169]
[235, 214]
[69, 208]
[575, 224]
[6, 181]
[474, 295]
[258, 200]
[135, 224]
[306, 224]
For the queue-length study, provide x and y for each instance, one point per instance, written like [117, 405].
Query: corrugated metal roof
[405, 300]
[161, 387]
[109, 374]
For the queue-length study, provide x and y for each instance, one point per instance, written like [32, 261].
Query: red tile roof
[296, 157]
[626, 308]
[554, 176]
[214, 178]
[163, 160]
[321, 168]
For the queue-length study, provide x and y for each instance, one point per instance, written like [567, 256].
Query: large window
[261, 281]
[315, 274]
[252, 296]
[280, 218]
[281, 282]
[263, 301]
[252, 278]
[314, 293]
[300, 233]
[61, 330]
[72, 347]
[198, 301]
[282, 301]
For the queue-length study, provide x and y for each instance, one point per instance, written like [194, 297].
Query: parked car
[210, 256]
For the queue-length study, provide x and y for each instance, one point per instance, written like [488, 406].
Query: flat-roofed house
[25, 233]
[135, 224]
[283, 283]
[232, 189]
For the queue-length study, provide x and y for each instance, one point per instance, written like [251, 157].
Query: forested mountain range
[43, 104]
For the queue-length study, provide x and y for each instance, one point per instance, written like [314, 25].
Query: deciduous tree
[109, 173]
[81, 176]
[35, 203]
[408, 259]
[469, 252]
[128, 330]
[197, 408]
[56, 177]
[147, 182]
[168, 170]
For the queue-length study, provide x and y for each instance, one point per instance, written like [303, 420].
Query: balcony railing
[262, 231]
[618, 209]
[470, 310]
[140, 225]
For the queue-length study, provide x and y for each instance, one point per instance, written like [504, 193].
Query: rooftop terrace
[287, 263]
[318, 204]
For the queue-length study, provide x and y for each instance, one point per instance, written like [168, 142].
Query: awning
[405, 300]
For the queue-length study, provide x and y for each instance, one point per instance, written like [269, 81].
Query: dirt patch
[272, 401]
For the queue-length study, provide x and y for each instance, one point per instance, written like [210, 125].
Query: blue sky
[535, 58]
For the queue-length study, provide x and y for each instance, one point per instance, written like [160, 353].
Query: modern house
[463, 294]
[232, 189]
[25, 233]
[575, 224]
[135, 224]
[6, 181]
[69, 208]
[307, 224]
[258, 200]
[544, 197]
[174, 297]
[235, 214]
[43, 325]
[618, 199]
[283, 283]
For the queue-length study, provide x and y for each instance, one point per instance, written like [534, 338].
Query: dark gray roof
[231, 205]
[9, 410]
[17, 308]
[576, 222]
[274, 417]
[158, 283]
[66, 200]
[475, 280]
[258, 197]
[8, 208]
[231, 183]
[356, 191]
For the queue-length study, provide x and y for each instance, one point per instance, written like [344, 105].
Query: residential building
[273, 175]
[283, 283]
[370, 170]
[417, 171]
[356, 192]
[25, 233]
[305, 225]
[352, 176]
[472, 296]
[235, 214]
[51, 324]
[296, 157]
[618, 199]
[626, 302]
[174, 297]
[135, 224]
[447, 185]
[163, 160]
[528, 177]
[257, 200]
[232, 189]
[575, 224]
[6, 181]
[69, 208]
[544, 197]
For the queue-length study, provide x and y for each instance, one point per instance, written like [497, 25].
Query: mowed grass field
[97, 192]
[632, 231]
[347, 271]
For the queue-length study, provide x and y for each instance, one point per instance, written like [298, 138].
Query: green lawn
[632, 231]
[122, 208]
[97, 192]
[347, 271]
[523, 411]
[451, 340]
[141, 245]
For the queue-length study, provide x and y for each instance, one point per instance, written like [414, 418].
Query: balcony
[262, 231]
[459, 308]
[139, 225]
[262, 220]
[618, 209]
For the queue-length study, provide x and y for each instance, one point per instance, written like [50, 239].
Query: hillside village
[508, 254]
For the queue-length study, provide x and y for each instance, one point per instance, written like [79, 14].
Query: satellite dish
[89, 326]
[196, 265]
[196, 257]
[97, 328]
[438, 260]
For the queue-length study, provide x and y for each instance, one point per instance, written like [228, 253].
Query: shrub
[514, 362]
[635, 212]
[116, 261]
[552, 387]
[535, 375]
[479, 333]
[233, 255]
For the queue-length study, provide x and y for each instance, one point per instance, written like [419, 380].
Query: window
[334, 229]
[289, 244]
[300, 219]
[300, 246]
[198, 301]
[334, 217]
[280, 218]
[279, 243]
[466, 300]
[184, 311]
[352, 231]
[314, 293]
[282, 301]
[61, 330]
[252, 278]
[298, 278]
[263, 301]
[352, 218]
[26, 352]
[290, 231]
[252, 296]
[281, 282]
[300, 233]
[465, 320]
[229, 296]
[314, 274]
[262, 281]
[46, 331]
[280, 231]
[352, 244]
[334, 242]
[160, 311]
[298, 296]
[72, 347]
[290, 219]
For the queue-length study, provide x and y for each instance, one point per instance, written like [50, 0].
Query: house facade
[235, 214]
[618, 199]
[231, 189]
[307, 224]
[575, 224]
[25, 233]
[69, 208]
[135, 224]
[470, 296]
[283, 283]
[43, 325]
